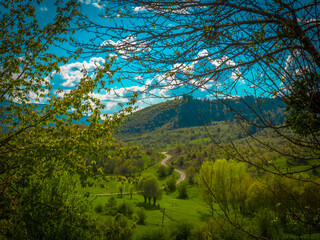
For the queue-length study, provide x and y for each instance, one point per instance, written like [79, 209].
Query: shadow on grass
[147, 206]
[204, 216]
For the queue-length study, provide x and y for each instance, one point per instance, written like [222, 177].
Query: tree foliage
[41, 149]
[150, 189]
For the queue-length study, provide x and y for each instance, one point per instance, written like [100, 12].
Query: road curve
[164, 163]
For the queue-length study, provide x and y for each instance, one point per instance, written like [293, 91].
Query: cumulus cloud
[199, 76]
[161, 9]
[141, 8]
[138, 78]
[62, 92]
[94, 3]
[38, 97]
[73, 72]
[98, 5]
[125, 48]
[44, 9]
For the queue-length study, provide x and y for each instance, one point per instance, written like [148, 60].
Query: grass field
[190, 210]
[168, 211]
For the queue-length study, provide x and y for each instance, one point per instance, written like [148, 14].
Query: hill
[181, 121]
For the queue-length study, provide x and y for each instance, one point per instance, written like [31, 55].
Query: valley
[203, 182]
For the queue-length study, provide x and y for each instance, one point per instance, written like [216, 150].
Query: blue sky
[134, 81]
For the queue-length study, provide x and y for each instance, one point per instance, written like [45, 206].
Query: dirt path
[164, 163]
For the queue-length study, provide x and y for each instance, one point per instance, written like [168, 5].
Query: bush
[153, 235]
[181, 231]
[98, 208]
[112, 203]
[170, 169]
[122, 220]
[111, 206]
[126, 209]
[182, 189]
[141, 216]
[263, 220]
[171, 184]
[162, 171]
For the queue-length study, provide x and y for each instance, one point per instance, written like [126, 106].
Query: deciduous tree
[40, 147]
[150, 189]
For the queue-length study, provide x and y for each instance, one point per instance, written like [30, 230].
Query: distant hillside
[191, 112]
[38, 107]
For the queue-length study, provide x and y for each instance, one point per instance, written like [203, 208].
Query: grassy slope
[189, 210]
[180, 210]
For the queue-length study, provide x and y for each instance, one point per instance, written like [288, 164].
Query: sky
[70, 75]
[133, 80]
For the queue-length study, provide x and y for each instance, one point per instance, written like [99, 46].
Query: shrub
[162, 171]
[122, 220]
[111, 206]
[112, 203]
[181, 231]
[126, 209]
[98, 208]
[153, 235]
[171, 184]
[141, 216]
[182, 189]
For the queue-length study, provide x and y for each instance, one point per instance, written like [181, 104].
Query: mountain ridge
[190, 112]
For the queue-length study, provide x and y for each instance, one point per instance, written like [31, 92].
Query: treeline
[164, 138]
[193, 155]
[268, 205]
[128, 162]
[268, 194]
[190, 112]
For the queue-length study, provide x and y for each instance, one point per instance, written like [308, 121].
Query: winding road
[164, 163]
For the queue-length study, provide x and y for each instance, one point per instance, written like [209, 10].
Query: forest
[159, 119]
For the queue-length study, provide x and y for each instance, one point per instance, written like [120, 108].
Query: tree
[150, 189]
[225, 182]
[120, 188]
[227, 49]
[171, 184]
[40, 147]
[182, 189]
[162, 171]
[141, 216]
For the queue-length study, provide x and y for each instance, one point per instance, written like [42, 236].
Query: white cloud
[98, 5]
[62, 92]
[138, 77]
[44, 9]
[38, 97]
[127, 47]
[89, 1]
[94, 3]
[236, 76]
[203, 53]
[224, 60]
[162, 8]
[72, 72]
[140, 9]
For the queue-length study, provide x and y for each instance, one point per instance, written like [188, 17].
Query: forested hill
[191, 112]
